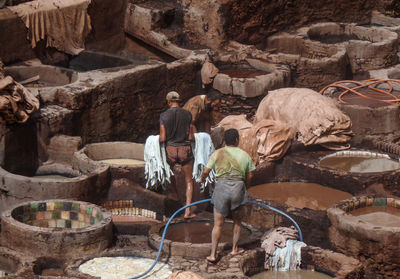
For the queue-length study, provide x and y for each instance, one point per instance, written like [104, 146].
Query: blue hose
[202, 201]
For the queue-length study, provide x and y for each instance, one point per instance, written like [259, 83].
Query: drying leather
[63, 23]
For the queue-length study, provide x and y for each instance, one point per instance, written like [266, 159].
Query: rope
[368, 84]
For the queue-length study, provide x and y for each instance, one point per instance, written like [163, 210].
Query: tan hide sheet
[315, 119]
[65, 23]
[16, 102]
[267, 140]
[208, 72]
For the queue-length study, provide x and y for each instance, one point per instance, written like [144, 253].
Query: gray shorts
[229, 194]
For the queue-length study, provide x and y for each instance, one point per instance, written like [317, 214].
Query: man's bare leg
[236, 234]
[216, 235]
[187, 170]
[173, 192]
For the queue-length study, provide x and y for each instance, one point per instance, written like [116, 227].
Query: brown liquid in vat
[200, 232]
[360, 164]
[383, 216]
[299, 194]
[243, 73]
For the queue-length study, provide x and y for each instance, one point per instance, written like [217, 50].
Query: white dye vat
[129, 162]
[124, 268]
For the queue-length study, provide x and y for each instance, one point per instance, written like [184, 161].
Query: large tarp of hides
[314, 118]
[267, 140]
[64, 24]
[16, 102]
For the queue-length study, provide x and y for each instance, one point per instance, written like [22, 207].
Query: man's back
[195, 106]
[177, 124]
[231, 161]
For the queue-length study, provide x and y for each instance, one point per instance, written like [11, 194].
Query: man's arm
[163, 134]
[204, 175]
[192, 130]
[249, 177]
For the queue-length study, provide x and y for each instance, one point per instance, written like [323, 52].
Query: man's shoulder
[198, 99]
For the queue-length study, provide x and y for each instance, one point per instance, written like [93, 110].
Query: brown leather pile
[267, 140]
[313, 118]
[16, 102]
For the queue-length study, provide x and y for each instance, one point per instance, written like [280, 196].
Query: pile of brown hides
[267, 140]
[314, 118]
[16, 102]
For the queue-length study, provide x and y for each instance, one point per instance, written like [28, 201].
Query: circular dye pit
[41, 76]
[244, 73]
[299, 194]
[200, 232]
[360, 162]
[315, 263]
[315, 64]
[129, 219]
[93, 60]
[55, 181]
[61, 228]
[380, 216]
[249, 78]
[192, 239]
[379, 45]
[126, 159]
[291, 274]
[124, 268]
[368, 228]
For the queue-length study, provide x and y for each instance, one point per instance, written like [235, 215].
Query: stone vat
[305, 164]
[64, 229]
[181, 244]
[313, 64]
[368, 48]
[87, 184]
[128, 218]
[48, 76]
[73, 269]
[312, 258]
[371, 241]
[308, 211]
[96, 152]
[249, 78]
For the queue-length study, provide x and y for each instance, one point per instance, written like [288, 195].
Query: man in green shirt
[233, 168]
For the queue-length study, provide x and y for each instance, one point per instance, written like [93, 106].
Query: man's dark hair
[231, 136]
[213, 95]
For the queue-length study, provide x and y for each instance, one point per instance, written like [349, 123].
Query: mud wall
[107, 18]
[250, 22]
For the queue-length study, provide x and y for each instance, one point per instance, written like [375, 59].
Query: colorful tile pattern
[369, 201]
[58, 215]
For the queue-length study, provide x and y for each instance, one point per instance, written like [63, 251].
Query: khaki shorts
[179, 154]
